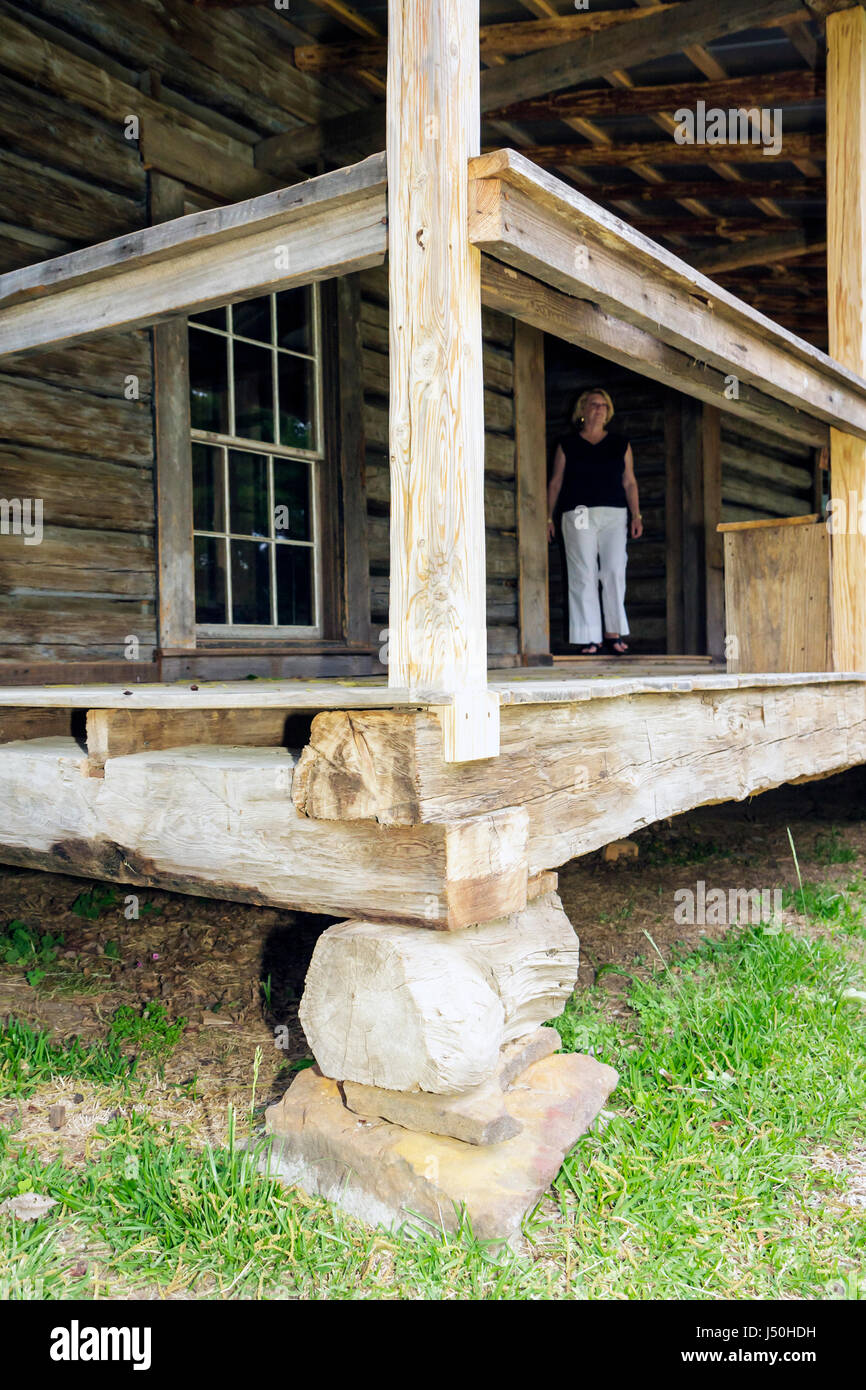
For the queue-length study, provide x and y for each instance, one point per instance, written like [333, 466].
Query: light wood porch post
[438, 638]
[846, 277]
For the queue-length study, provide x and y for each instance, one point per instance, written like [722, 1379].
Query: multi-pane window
[255, 393]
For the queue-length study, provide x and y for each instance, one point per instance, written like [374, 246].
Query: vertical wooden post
[356, 558]
[438, 637]
[173, 454]
[674, 524]
[694, 614]
[530, 437]
[714, 563]
[846, 290]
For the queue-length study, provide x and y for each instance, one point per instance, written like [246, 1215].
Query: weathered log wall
[76, 426]
[764, 475]
[204, 86]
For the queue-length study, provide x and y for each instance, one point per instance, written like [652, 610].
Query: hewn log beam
[707, 189]
[494, 40]
[846, 291]
[649, 35]
[822, 8]
[506, 40]
[669, 152]
[761, 89]
[786, 246]
[655, 36]
[723, 226]
[366, 129]
[326, 226]
[527, 218]
[437, 589]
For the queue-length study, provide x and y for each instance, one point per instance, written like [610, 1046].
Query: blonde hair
[578, 412]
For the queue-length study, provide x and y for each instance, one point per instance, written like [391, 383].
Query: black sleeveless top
[593, 472]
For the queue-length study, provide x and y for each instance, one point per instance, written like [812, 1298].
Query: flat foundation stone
[386, 1175]
[479, 1116]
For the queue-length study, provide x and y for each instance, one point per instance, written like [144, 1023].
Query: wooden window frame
[178, 630]
[232, 631]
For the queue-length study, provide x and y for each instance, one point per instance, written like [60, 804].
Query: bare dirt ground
[236, 973]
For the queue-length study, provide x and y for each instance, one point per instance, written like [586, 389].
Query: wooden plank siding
[74, 442]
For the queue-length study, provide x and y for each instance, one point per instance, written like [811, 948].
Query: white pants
[595, 542]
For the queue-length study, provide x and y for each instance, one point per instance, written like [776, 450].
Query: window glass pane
[216, 318]
[295, 585]
[208, 381]
[296, 402]
[248, 494]
[208, 503]
[254, 392]
[252, 319]
[210, 580]
[294, 319]
[292, 499]
[251, 582]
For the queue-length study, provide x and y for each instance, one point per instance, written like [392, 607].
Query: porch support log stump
[410, 1010]
[435, 1090]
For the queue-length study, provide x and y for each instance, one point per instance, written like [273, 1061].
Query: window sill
[277, 646]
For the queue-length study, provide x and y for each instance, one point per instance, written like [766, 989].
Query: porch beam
[846, 290]
[437, 622]
[527, 218]
[325, 226]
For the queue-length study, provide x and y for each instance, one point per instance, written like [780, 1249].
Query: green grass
[830, 904]
[150, 1030]
[23, 945]
[831, 848]
[29, 1059]
[91, 903]
[738, 1063]
[743, 1060]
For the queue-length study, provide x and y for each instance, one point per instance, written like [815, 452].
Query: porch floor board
[568, 680]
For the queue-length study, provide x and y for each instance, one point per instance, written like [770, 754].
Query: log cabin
[294, 305]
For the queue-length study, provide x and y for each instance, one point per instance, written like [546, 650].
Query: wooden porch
[446, 794]
[336, 797]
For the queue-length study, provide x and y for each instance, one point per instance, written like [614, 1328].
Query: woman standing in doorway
[593, 475]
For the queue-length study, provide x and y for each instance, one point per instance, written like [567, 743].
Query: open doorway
[639, 416]
[696, 465]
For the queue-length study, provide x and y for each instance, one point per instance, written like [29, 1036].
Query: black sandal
[590, 649]
[610, 644]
